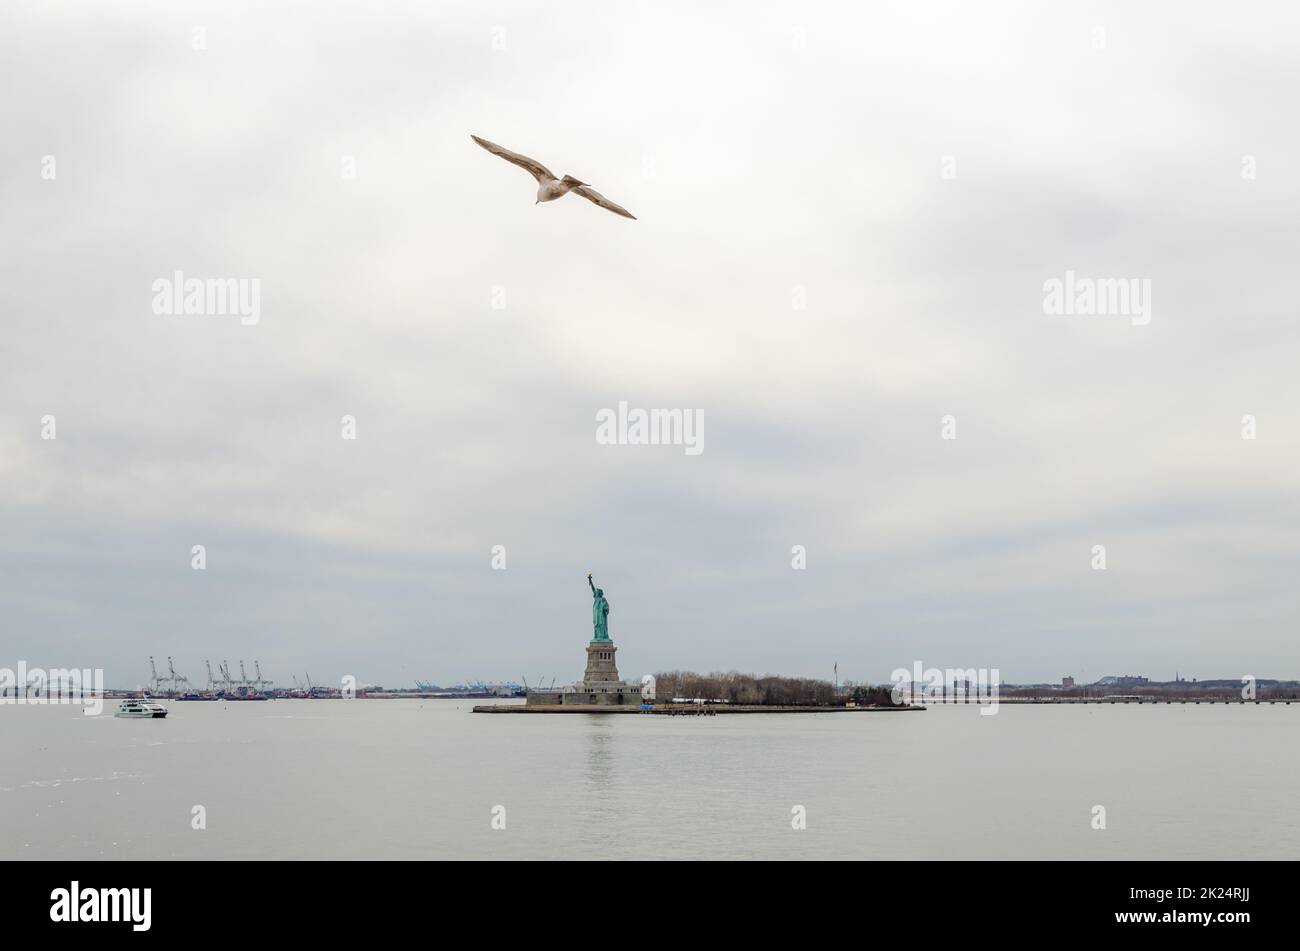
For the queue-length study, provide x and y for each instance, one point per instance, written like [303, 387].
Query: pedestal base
[599, 686]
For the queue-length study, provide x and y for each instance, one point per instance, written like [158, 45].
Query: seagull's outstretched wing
[592, 195]
[531, 166]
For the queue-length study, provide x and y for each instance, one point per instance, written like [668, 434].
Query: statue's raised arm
[592, 586]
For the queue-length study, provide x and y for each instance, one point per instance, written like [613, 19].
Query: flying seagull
[549, 187]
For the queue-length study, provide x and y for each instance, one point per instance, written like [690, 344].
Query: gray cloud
[754, 166]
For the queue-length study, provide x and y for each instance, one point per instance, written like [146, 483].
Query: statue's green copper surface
[599, 612]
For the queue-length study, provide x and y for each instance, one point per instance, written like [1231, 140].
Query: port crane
[261, 684]
[176, 679]
[299, 690]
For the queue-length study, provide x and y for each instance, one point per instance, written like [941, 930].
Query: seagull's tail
[571, 181]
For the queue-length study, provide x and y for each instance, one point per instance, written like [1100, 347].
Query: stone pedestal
[599, 686]
[601, 667]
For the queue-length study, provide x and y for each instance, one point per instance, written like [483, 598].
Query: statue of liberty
[599, 611]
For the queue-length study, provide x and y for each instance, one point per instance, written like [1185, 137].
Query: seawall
[683, 709]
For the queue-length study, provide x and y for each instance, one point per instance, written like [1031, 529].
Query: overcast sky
[912, 173]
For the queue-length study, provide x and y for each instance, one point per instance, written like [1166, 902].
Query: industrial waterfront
[223, 685]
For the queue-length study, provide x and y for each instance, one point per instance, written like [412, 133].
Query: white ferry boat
[141, 710]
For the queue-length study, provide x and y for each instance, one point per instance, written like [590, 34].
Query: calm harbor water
[419, 779]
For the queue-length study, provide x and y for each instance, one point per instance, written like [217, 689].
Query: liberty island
[601, 690]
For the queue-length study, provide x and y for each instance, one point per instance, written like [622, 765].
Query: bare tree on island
[740, 689]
